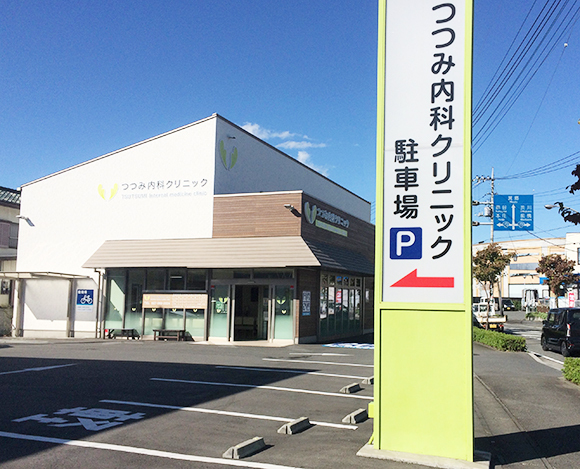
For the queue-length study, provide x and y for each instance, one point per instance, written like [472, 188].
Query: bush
[536, 314]
[499, 340]
[571, 369]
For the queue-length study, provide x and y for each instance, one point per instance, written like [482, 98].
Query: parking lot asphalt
[141, 404]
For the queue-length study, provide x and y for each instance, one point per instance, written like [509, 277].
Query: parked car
[561, 331]
[508, 305]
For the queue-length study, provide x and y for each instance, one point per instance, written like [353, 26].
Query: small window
[196, 279]
[4, 235]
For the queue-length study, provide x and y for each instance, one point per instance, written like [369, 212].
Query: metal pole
[492, 206]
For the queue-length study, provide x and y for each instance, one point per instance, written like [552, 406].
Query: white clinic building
[205, 229]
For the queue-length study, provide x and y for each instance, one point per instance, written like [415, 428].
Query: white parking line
[145, 451]
[272, 388]
[43, 368]
[315, 362]
[326, 354]
[536, 357]
[285, 370]
[228, 413]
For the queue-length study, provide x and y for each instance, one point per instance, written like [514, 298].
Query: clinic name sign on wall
[175, 301]
[155, 189]
[325, 219]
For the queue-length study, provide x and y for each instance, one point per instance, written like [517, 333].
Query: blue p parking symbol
[406, 243]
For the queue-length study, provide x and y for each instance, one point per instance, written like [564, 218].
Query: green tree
[559, 272]
[488, 264]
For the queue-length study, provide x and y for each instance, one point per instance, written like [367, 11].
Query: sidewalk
[526, 413]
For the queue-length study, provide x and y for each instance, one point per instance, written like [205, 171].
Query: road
[532, 331]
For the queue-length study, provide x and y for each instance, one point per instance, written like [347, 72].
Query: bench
[165, 334]
[128, 333]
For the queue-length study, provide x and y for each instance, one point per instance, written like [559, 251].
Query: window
[196, 279]
[4, 234]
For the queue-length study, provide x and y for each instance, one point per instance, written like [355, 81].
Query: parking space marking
[286, 370]
[145, 451]
[315, 362]
[271, 388]
[326, 354]
[228, 413]
[42, 368]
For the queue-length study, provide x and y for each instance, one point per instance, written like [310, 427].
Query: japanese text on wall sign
[407, 158]
[163, 185]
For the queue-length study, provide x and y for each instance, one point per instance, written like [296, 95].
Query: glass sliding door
[220, 304]
[115, 299]
[283, 317]
[265, 313]
[134, 310]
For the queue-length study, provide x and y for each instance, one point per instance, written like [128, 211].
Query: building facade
[205, 229]
[9, 210]
[520, 280]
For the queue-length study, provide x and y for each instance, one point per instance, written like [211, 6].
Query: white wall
[261, 168]
[158, 189]
[76, 210]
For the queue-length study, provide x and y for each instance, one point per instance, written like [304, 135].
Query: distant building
[206, 230]
[9, 210]
[520, 279]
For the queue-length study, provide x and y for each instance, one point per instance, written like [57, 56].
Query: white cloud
[293, 145]
[304, 158]
[300, 145]
[265, 134]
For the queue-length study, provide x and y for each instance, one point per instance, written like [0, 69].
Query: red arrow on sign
[411, 280]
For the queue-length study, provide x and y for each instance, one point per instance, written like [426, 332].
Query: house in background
[9, 211]
[520, 279]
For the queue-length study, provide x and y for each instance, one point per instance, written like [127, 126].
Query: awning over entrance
[336, 258]
[216, 253]
[227, 253]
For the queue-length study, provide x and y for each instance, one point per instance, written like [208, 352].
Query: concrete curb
[351, 388]
[246, 448]
[296, 426]
[482, 459]
[357, 416]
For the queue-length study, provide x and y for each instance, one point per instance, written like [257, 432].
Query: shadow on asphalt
[526, 446]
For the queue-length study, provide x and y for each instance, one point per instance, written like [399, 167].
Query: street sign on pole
[423, 382]
[513, 212]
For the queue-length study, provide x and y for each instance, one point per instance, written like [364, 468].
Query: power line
[536, 46]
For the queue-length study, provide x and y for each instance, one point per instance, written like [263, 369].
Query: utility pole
[488, 213]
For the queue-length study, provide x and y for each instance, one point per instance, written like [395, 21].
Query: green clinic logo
[103, 193]
[230, 160]
[310, 213]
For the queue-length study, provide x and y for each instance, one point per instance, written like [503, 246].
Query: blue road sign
[513, 212]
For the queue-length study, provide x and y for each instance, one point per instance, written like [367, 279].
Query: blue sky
[79, 79]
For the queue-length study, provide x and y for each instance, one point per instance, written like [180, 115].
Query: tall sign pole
[423, 323]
